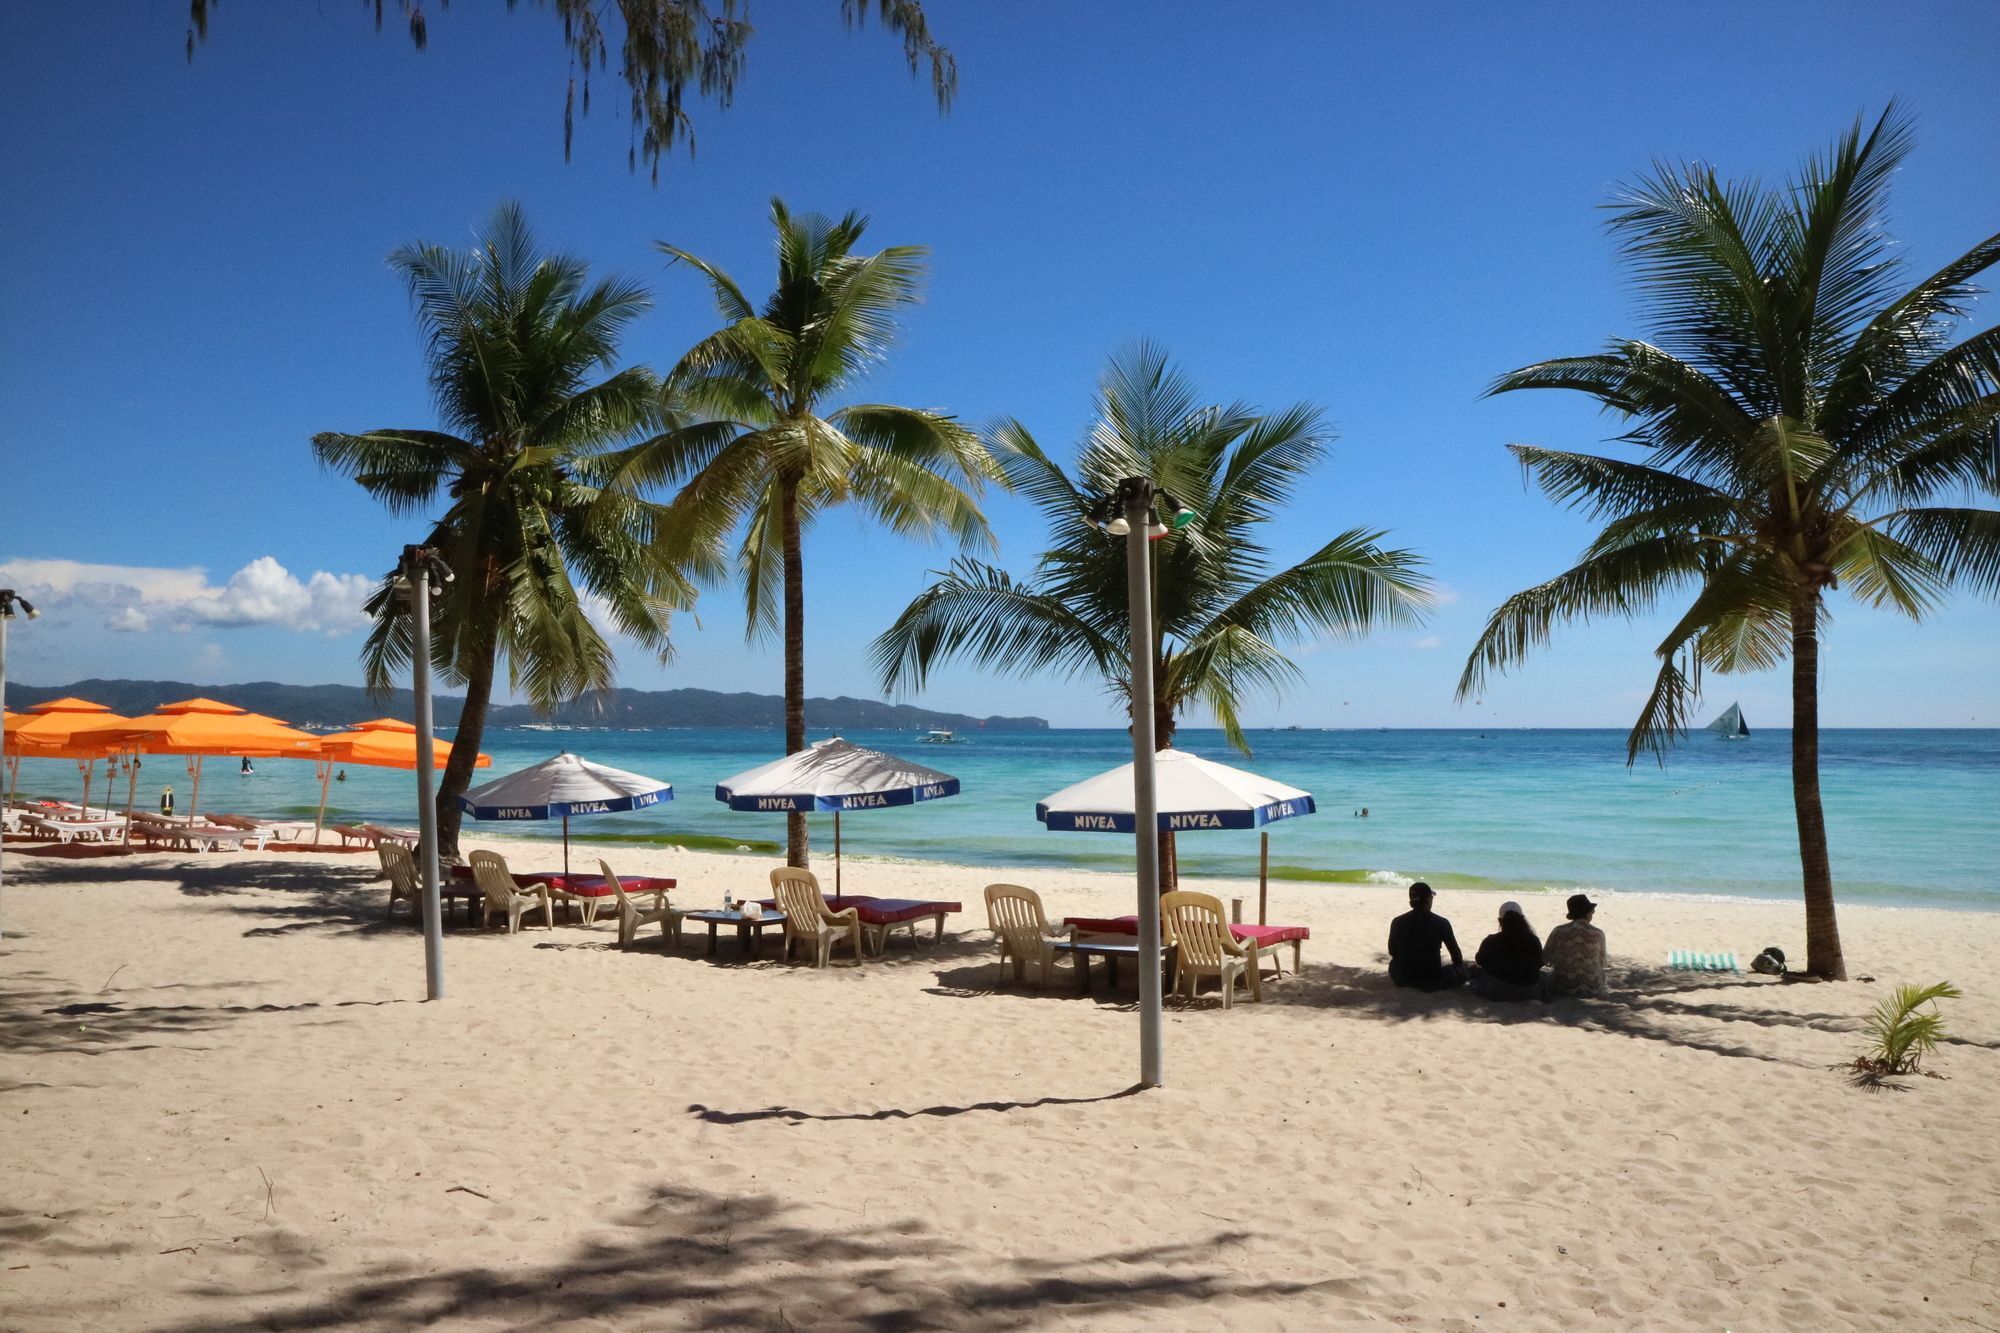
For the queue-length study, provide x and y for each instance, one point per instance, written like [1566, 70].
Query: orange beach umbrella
[383, 742]
[199, 727]
[54, 730]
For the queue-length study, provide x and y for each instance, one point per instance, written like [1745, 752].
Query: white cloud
[1428, 642]
[1443, 594]
[135, 597]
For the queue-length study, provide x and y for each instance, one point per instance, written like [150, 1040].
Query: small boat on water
[940, 736]
[1731, 726]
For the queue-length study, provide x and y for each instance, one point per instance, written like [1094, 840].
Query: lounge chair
[499, 893]
[352, 833]
[1266, 938]
[1194, 924]
[631, 916]
[73, 830]
[1015, 917]
[409, 837]
[807, 917]
[215, 837]
[270, 830]
[400, 869]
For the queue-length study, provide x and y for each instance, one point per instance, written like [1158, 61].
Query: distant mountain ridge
[341, 705]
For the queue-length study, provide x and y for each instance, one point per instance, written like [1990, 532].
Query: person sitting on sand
[1414, 940]
[1510, 959]
[1575, 952]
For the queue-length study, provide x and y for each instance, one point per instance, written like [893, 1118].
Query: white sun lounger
[74, 830]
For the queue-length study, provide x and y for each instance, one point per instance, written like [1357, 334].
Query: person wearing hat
[1510, 959]
[1575, 952]
[1414, 940]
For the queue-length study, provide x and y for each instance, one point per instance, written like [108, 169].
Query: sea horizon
[1512, 810]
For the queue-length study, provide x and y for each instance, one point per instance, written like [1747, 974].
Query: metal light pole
[414, 578]
[9, 599]
[1133, 512]
[1135, 497]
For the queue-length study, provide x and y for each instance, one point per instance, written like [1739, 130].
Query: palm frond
[1961, 545]
[1625, 581]
[979, 612]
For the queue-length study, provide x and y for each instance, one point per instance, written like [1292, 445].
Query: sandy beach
[223, 1106]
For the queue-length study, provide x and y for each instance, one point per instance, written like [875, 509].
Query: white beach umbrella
[1192, 793]
[563, 786]
[834, 775]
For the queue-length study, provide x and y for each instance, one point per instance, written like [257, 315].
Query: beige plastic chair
[400, 869]
[499, 893]
[631, 916]
[1015, 917]
[807, 917]
[1195, 926]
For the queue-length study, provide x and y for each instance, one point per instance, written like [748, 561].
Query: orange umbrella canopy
[386, 742]
[53, 730]
[203, 726]
[215, 706]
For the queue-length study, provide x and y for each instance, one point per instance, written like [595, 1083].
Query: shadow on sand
[696, 1259]
[42, 1014]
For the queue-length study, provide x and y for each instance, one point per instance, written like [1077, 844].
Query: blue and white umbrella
[838, 776]
[563, 786]
[1190, 793]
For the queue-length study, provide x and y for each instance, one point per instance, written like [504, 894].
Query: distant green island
[624, 710]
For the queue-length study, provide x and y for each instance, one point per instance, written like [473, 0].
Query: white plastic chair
[631, 916]
[400, 869]
[807, 917]
[1203, 946]
[1015, 917]
[499, 893]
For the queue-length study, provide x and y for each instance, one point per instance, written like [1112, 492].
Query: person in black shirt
[1510, 959]
[1414, 940]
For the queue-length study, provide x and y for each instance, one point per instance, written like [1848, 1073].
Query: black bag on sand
[1771, 962]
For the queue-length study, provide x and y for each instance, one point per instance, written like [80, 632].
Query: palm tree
[536, 526]
[1800, 421]
[774, 456]
[1222, 615]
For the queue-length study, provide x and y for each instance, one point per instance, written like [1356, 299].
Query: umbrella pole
[87, 767]
[194, 799]
[131, 794]
[565, 850]
[836, 853]
[1263, 876]
[325, 776]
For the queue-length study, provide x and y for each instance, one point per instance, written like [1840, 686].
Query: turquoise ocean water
[1912, 815]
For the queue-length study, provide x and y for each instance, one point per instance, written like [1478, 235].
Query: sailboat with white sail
[1731, 726]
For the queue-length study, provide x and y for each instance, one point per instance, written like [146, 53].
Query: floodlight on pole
[9, 600]
[1132, 512]
[414, 577]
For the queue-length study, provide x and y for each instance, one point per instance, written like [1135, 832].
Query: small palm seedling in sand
[1904, 1028]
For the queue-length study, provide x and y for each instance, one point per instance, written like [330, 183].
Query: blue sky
[1376, 208]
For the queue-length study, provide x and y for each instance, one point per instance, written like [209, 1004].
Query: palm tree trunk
[465, 747]
[1823, 957]
[798, 852]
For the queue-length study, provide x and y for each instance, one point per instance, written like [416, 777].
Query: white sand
[222, 1106]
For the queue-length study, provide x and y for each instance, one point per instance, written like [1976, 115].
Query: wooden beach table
[749, 929]
[1082, 951]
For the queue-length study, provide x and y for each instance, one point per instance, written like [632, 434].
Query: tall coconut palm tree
[1223, 616]
[1802, 422]
[776, 454]
[535, 526]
